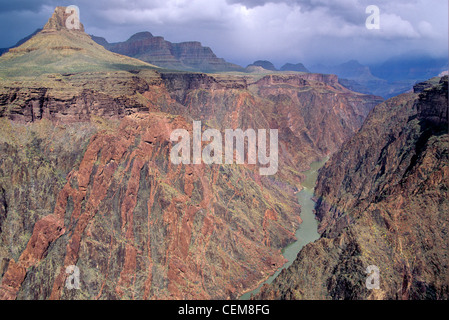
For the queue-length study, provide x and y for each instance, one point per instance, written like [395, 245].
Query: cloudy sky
[241, 31]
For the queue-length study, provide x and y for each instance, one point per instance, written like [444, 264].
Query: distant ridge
[20, 42]
[349, 70]
[417, 67]
[393, 77]
[187, 56]
[267, 65]
[358, 77]
[299, 67]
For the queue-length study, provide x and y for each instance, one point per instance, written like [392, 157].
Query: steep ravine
[256, 216]
[308, 229]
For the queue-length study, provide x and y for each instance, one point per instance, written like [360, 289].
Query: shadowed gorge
[382, 200]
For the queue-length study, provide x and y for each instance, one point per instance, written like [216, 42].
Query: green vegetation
[63, 52]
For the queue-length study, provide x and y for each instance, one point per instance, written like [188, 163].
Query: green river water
[307, 231]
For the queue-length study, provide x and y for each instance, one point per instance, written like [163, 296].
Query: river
[307, 231]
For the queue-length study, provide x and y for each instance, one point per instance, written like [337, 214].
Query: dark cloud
[20, 5]
[258, 3]
[242, 31]
[349, 10]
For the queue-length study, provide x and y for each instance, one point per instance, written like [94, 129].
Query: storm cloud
[241, 31]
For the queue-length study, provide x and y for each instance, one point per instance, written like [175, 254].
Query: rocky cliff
[187, 56]
[135, 225]
[382, 200]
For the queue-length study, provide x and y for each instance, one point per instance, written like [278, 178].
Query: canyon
[86, 177]
[382, 200]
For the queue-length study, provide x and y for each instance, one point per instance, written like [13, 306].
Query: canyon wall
[86, 177]
[382, 200]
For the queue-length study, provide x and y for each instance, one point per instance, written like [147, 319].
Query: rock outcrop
[238, 205]
[58, 21]
[187, 56]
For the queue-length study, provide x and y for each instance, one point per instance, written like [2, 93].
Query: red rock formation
[156, 229]
[161, 265]
[87, 181]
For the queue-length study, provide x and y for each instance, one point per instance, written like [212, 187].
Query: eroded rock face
[58, 21]
[34, 164]
[189, 56]
[86, 178]
[382, 200]
[135, 225]
[139, 227]
[313, 112]
[432, 105]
